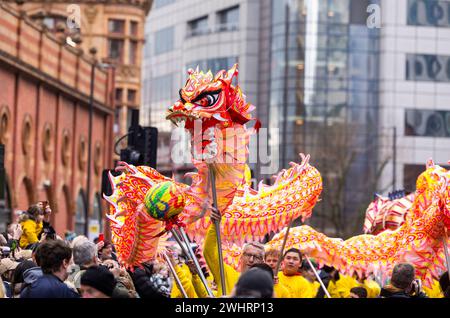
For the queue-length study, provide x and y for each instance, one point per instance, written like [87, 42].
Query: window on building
[410, 174]
[161, 3]
[427, 123]
[80, 219]
[117, 113]
[198, 26]
[131, 98]
[129, 117]
[96, 222]
[116, 26]
[115, 49]
[161, 88]
[358, 11]
[164, 40]
[429, 13]
[428, 67]
[53, 22]
[215, 64]
[133, 28]
[133, 52]
[119, 93]
[5, 213]
[228, 19]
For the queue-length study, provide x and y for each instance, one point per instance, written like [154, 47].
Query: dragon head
[211, 99]
[434, 182]
[211, 102]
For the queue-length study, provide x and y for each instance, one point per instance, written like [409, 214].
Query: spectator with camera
[124, 287]
[403, 283]
[47, 228]
[53, 256]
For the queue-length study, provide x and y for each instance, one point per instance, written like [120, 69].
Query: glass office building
[324, 99]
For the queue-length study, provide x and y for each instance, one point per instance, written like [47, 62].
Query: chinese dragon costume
[419, 240]
[387, 213]
[216, 115]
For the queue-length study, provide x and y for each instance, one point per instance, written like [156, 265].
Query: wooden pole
[212, 178]
[280, 257]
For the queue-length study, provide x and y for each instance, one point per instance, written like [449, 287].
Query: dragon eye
[208, 100]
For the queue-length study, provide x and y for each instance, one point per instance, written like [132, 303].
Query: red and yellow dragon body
[419, 240]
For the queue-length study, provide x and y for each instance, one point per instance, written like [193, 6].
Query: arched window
[95, 221]
[5, 209]
[80, 219]
[69, 206]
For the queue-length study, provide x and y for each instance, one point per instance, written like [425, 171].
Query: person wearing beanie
[97, 282]
[254, 283]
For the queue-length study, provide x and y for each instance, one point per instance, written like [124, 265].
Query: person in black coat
[141, 280]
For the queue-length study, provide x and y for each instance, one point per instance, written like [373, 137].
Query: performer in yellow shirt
[308, 273]
[189, 279]
[341, 287]
[435, 291]
[252, 253]
[290, 277]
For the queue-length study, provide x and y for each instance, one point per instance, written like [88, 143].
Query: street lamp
[92, 51]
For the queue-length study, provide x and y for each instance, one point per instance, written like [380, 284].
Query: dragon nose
[188, 106]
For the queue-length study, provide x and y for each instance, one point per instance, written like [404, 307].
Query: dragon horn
[430, 163]
[305, 159]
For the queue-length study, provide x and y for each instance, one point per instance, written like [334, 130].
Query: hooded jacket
[141, 280]
[31, 230]
[31, 275]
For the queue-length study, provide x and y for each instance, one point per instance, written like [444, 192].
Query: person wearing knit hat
[97, 282]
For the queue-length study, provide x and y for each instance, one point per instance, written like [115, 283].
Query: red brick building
[44, 119]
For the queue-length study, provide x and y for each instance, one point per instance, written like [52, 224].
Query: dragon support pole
[212, 178]
[177, 279]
